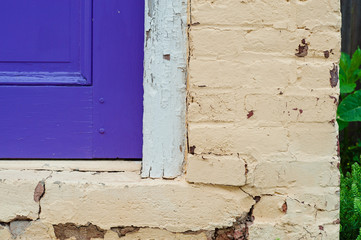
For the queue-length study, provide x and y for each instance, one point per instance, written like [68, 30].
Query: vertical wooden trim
[351, 25]
[165, 65]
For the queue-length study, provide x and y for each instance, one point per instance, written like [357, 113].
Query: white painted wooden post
[165, 76]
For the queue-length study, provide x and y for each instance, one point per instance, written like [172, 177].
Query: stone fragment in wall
[18, 227]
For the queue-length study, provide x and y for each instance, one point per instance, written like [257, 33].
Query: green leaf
[341, 124]
[355, 61]
[356, 75]
[345, 61]
[347, 87]
[349, 109]
[342, 73]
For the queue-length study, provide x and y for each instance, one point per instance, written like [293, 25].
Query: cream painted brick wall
[251, 101]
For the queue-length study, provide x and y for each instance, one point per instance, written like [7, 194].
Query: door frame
[165, 88]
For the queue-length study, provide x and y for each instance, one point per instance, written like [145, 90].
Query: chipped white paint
[165, 61]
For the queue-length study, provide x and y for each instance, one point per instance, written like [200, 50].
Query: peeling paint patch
[284, 207]
[70, 230]
[302, 50]
[192, 149]
[39, 191]
[334, 75]
[333, 121]
[335, 100]
[166, 57]
[326, 54]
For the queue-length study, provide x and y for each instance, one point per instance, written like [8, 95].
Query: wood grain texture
[351, 25]
[164, 127]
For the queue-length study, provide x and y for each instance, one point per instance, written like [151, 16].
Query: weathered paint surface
[165, 61]
[260, 96]
[262, 158]
[110, 200]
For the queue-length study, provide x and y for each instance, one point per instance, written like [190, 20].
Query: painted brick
[295, 174]
[234, 105]
[313, 75]
[231, 43]
[249, 94]
[229, 138]
[290, 14]
[317, 139]
[315, 13]
[300, 108]
[230, 12]
[223, 170]
[215, 105]
[243, 73]
[269, 209]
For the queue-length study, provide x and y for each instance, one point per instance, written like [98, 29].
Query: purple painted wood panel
[118, 29]
[45, 122]
[45, 36]
[101, 120]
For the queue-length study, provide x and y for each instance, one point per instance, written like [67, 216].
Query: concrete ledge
[120, 199]
[73, 165]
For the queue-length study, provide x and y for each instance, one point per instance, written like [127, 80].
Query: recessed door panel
[46, 122]
[41, 37]
[46, 33]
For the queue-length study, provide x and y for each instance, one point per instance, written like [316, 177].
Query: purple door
[71, 75]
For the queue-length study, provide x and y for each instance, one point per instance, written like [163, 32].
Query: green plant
[349, 109]
[350, 151]
[348, 114]
[350, 196]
